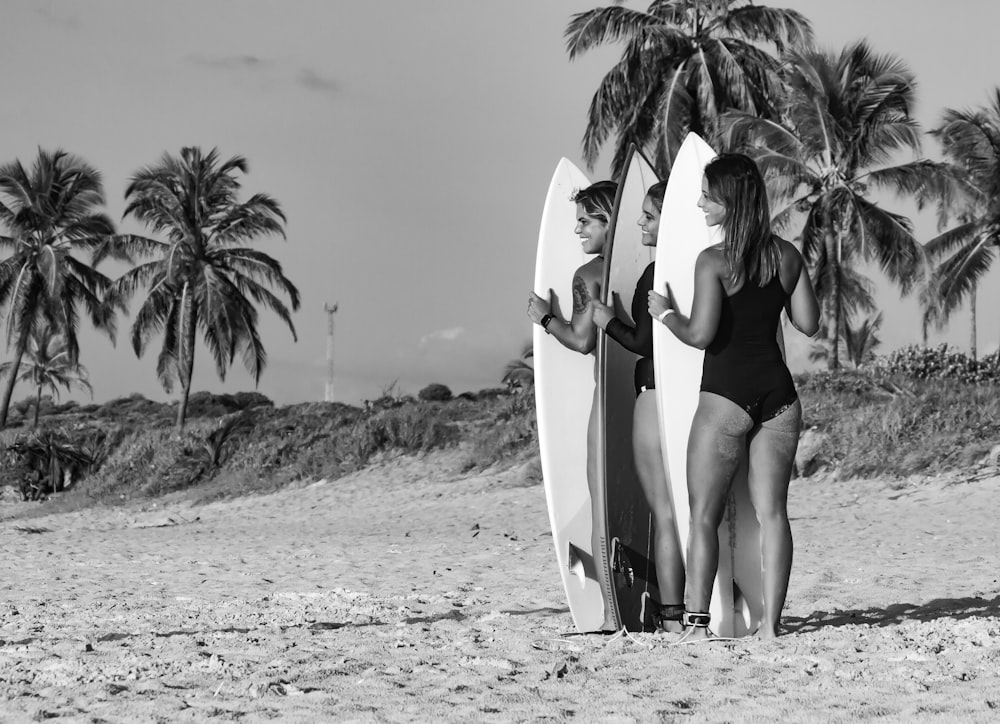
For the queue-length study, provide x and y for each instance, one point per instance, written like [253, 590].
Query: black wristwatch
[545, 321]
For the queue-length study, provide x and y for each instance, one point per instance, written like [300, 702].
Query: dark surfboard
[629, 523]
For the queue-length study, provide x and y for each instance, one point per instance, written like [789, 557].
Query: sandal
[696, 620]
[668, 613]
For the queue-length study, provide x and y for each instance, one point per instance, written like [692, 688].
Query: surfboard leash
[625, 633]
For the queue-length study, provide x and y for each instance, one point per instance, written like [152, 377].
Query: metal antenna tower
[330, 311]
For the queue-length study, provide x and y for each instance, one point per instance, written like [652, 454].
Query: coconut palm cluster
[827, 128]
[196, 271]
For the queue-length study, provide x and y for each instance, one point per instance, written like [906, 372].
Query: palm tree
[857, 292]
[842, 120]
[862, 339]
[929, 299]
[202, 278]
[50, 216]
[858, 341]
[970, 140]
[856, 298]
[48, 365]
[520, 373]
[684, 63]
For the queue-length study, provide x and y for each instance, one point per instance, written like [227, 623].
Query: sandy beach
[413, 592]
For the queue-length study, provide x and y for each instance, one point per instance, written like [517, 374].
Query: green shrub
[411, 427]
[935, 363]
[876, 425]
[42, 461]
[435, 392]
[512, 431]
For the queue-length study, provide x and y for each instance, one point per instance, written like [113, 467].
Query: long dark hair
[597, 200]
[655, 194]
[751, 250]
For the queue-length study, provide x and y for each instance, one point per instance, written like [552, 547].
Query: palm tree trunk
[972, 313]
[38, 405]
[9, 390]
[186, 363]
[833, 303]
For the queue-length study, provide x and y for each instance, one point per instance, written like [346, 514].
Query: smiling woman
[594, 206]
[593, 213]
[748, 407]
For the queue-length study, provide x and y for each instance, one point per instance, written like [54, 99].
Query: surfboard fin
[576, 565]
[741, 608]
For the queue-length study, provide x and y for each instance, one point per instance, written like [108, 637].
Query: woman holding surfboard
[748, 400]
[594, 205]
[645, 425]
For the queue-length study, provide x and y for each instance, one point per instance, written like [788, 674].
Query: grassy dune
[242, 444]
[858, 425]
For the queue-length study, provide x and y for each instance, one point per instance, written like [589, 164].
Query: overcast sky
[410, 143]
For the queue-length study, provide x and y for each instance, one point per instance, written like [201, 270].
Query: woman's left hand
[538, 307]
[602, 313]
[658, 303]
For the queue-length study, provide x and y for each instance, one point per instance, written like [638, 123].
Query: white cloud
[231, 62]
[441, 335]
[312, 80]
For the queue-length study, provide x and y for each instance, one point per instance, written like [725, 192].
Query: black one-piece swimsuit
[744, 363]
[638, 339]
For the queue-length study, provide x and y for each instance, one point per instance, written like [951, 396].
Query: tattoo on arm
[581, 295]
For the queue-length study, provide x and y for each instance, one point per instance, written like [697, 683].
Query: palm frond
[963, 235]
[924, 181]
[887, 237]
[674, 119]
[759, 24]
[605, 25]
[957, 277]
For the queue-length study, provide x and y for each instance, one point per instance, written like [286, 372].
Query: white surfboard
[564, 394]
[737, 597]
[628, 520]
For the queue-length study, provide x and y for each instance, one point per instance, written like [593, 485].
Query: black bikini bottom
[644, 377]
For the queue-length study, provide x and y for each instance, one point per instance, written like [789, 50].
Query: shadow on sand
[533, 611]
[953, 608]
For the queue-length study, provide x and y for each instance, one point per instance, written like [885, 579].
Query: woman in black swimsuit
[747, 399]
[646, 425]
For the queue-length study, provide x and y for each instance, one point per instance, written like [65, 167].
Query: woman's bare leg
[656, 486]
[772, 452]
[716, 447]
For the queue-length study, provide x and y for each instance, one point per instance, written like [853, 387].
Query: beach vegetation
[519, 373]
[47, 365]
[683, 64]
[911, 412]
[843, 119]
[46, 461]
[857, 342]
[203, 278]
[51, 220]
[435, 391]
[900, 420]
[970, 141]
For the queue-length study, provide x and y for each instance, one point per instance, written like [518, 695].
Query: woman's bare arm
[802, 307]
[699, 329]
